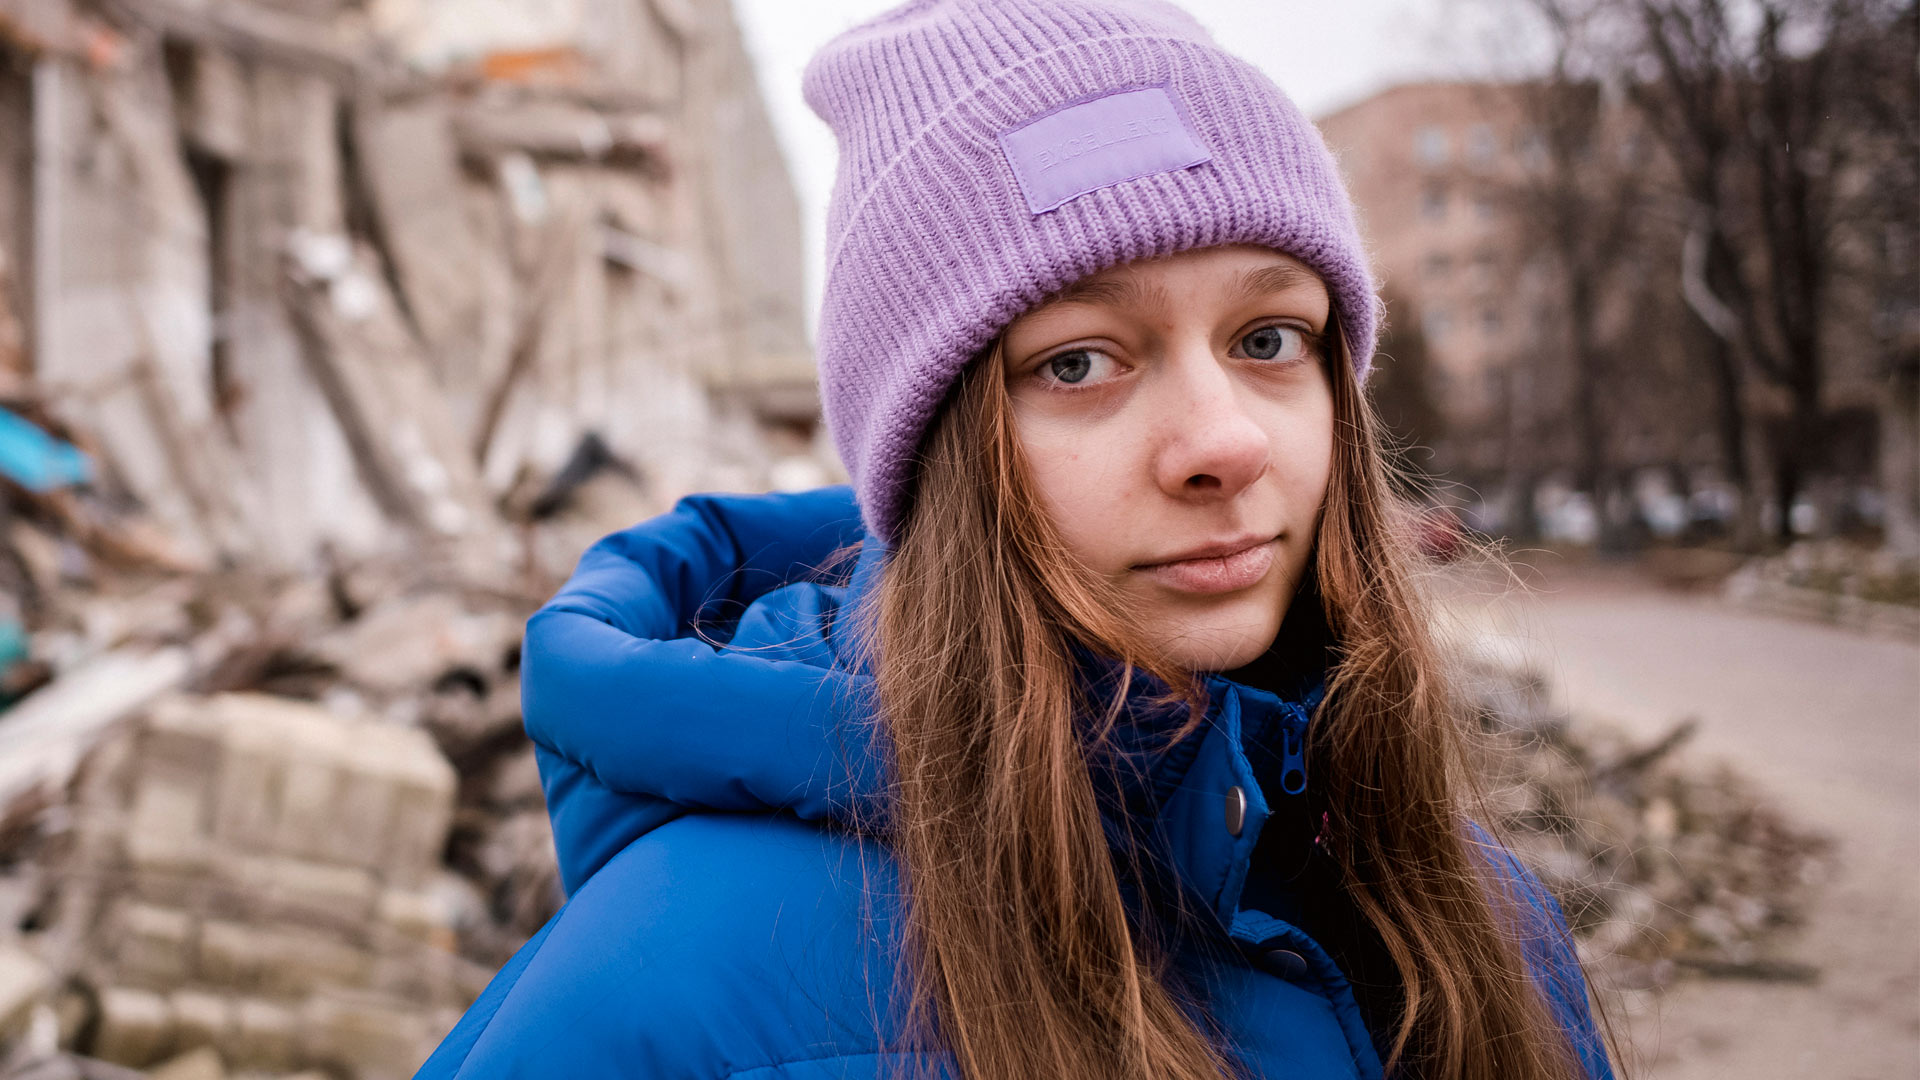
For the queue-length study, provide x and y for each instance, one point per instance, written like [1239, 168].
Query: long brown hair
[1021, 954]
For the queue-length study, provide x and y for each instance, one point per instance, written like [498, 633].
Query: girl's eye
[1076, 367]
[1275, 343]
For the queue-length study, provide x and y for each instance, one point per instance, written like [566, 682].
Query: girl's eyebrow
[1111, 292]
[1278, 278]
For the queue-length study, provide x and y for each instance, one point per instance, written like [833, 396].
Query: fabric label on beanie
[1098, 143]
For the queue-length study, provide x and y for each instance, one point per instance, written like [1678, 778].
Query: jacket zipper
[1293, 749]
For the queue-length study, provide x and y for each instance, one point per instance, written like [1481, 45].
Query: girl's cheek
[1085, 491]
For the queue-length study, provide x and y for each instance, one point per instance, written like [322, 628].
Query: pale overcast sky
[1323, 53]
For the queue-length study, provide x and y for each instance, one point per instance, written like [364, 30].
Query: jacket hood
[657, 675]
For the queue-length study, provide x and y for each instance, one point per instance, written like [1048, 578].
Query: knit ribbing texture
[932, 248]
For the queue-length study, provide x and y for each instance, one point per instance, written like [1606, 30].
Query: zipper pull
[1293, 751]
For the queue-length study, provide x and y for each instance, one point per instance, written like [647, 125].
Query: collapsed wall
[262, 877]
[320, 276]
[335, 331]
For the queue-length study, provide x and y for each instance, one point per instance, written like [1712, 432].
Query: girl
[1122, 751]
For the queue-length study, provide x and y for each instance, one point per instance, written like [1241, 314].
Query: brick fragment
[201, 1019]
[152, 943]
[136, 1026]
[267, 1036]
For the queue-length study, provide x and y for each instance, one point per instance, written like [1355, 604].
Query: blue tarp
[36, 460]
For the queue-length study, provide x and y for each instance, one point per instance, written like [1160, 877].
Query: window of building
[1896, 247]
[1437, 265]
[1433, 202]
[1493, 384]
[1481, 145]
[1532, 148]
[1490, 322]
[1430, 145]
[1485, 272]
[1484, 206]
[1435, 323]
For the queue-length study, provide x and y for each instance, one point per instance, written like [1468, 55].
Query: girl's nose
[1210, 447]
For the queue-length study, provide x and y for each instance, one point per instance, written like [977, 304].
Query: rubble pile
[1877, 589]
[1662, 865]
[289, 912]
[308, 846]
[331, 332]
[392, 277]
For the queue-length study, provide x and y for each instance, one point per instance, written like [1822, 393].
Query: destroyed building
[338, 273]
[331, 332]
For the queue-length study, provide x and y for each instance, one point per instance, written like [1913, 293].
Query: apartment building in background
[1455, 185]
[1426, 163]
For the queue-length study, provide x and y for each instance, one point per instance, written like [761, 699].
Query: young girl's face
[1178, 422]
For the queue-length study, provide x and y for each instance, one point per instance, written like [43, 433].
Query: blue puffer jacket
[723, 921]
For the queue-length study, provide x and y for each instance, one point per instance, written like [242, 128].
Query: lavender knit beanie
[995, 151]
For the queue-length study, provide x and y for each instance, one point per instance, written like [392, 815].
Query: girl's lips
[1220, 574]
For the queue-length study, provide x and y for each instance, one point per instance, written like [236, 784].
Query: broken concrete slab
[135, 1026]
[202, 1018]
[201, 1064]
[44, 737]
[309, 785]
[405, 643]
[153, 944]
[25, 983]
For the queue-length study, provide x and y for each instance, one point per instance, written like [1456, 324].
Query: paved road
[1829, 720]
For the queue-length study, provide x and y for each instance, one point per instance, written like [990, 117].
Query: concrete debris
[1661, 864]
[330, 334]
[464, 260]
[44, 737]
[265, 878]
[201, 1064]
[292, 820]
[1877, 591]
[24, 982]
[407, 642]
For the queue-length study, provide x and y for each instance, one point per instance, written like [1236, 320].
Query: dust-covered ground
[1828, 721]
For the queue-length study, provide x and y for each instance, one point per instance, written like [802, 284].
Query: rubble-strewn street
[1823, 723]
[1661, 869]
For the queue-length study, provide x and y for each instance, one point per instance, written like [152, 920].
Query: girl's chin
[1217, 647]
[1218, 633]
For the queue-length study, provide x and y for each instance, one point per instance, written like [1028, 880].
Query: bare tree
[1578, 200]
[1401, 390]
[1756, 104]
